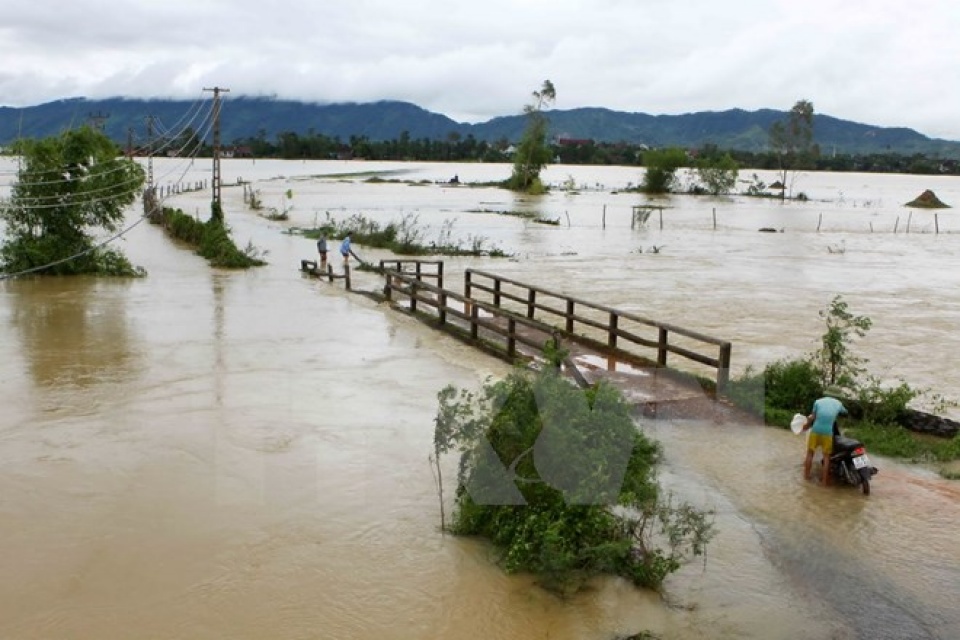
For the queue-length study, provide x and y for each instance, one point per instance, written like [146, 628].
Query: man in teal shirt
[820, 422]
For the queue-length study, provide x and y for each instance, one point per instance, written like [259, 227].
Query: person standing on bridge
[322, 250]
[820, 422]
[345, 250]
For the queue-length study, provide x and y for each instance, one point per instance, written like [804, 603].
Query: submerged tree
[717, 173]
[562, 482]
[533, 152]
[792, 141]
[68, 188]
[661, 165]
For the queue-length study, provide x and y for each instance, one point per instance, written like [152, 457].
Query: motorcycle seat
[842, 443]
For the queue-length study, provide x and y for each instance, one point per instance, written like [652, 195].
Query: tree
[562, 482]
[718, 174]
[68, 188]
[835, 359]
[792, 142]
[661, 168]
[533, 153]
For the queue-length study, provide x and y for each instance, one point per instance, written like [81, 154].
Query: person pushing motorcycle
[820, 422]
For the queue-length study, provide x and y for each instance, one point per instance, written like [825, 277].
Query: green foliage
[68, 188]
[717, 174]
[562, 482]
[838, 365]
[533, 153]
[896, 442]
[405, 237]
[661, 168]
[211, 239]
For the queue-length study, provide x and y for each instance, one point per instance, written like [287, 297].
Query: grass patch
[405, 237]
[211, 239]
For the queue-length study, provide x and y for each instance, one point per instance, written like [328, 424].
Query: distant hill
[244, 117]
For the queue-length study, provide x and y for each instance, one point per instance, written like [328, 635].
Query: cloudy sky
[880, 62]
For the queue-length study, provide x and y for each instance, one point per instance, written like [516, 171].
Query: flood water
[209, 454]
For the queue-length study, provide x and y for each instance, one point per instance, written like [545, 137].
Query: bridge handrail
[721, 361]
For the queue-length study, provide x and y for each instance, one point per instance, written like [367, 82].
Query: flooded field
[209, 454]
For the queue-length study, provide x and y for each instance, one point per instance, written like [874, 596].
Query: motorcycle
[849, 462]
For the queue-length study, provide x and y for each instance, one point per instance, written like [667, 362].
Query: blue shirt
[345, 246]
[826, 410]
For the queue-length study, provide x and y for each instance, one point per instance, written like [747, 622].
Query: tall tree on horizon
[792, 141]
[533, 153]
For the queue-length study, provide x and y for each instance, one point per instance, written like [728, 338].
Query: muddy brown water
[205, 454]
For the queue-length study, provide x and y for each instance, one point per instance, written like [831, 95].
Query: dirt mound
[927, 200]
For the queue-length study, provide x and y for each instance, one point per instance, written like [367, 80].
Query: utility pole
[150, 204]
[216, 206]
[97, 119]
[150, 151]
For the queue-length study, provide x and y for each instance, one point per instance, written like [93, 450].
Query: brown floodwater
[208, 454]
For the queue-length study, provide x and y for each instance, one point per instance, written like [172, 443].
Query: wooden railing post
[440, 274]
[413, 295]
[419, 275]
[346, 276]
[511, 337]
[466, 283]
[569, 316]
[531, 303]
[496, 292]
[442, 307]
[474, 328]
[612, 332]
[723, 368]
[662, 348]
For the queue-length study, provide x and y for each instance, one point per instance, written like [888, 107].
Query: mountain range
[125, 119]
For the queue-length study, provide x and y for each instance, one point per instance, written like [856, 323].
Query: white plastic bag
[796, 425]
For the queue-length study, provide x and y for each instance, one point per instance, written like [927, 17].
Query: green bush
[562, 482]
[211, 239]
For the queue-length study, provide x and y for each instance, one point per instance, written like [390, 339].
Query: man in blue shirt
[820, 422]
[345, 248]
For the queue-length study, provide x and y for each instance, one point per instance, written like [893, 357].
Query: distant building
[237, 152]
[564, 141]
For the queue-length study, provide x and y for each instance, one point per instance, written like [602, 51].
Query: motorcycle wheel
[865, 481]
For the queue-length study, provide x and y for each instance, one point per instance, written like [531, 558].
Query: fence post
[496, 292]
[466, 283]
[474, 328]
[936, 222]
[413, 295]
[569, 316]
[662, 348]
[346, 276]
[440, 274]
[531, 302]
[442, 308]
[723, 368]
[511, 337]
[612, 332]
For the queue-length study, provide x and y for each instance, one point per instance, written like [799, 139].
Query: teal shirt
[826, 410]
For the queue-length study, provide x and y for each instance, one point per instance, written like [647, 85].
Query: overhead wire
[206, 124]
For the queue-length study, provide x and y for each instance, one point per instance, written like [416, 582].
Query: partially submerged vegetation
[211, 239]
[879, 413]
[562, 482]
[405, 237]
[69, 188]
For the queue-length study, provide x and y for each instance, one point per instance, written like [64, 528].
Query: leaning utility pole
[216, 206]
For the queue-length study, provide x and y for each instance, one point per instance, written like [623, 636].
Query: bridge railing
[496, 326]
[600, 325]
